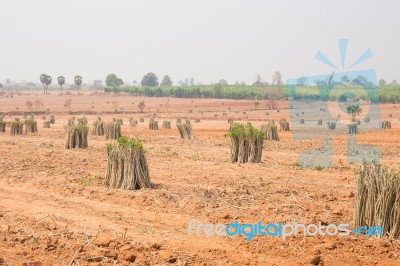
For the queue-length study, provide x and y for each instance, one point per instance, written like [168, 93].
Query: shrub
[246, 143]
[185, 130]
[112, 130]
[352, 128]
[270, 131]
[377, 199]
[98, 127]
[132, 122]
[386, 125]
[77, 136]
[2, 126]
[82, 121]
[284, 125]
[16, 127]
[30, 126]
[166, 125]
[331, 125]
[126, 165]
[153, 125]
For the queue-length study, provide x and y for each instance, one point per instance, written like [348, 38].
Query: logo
[249, 231]
[319, 109]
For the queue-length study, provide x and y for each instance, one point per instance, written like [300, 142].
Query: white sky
[204, 39]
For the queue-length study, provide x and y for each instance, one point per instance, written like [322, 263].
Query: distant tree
[360, 80]
[48, 82]
[61, 82]
[345, 80]
[30, 84]
[354, 110]
[186, 82]
[277, 78]
[191, 81]
[78, 82]
[382, 82]
[141, 106]
[258, 81]
[134, 82]
[166, 81]
[302, 81]
[97, 84]
[223, 82]
[1, 85]
[113, 81]
[150, 79]
[29, 105]
[8, 81]
[320, 83]
[394, 82]
[43, 80]
[218, 91]
[330, 81]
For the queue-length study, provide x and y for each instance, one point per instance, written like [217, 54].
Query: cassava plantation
[180, 133]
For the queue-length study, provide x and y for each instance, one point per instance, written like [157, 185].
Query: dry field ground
[54, 209]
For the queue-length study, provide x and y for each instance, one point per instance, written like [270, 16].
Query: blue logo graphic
[249, 231]
[318, 109]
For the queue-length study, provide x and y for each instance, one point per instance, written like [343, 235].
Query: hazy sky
[204, 39]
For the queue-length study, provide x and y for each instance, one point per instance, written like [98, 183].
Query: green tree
[302, 81]
[113, 81]
[78, 82]
[354, 110]
[346, 80]
[48, 82]
[141, 106]
[150, 79]
[218, 91]
[361, 81]
[382, 82]
[277, 78]
[43, 78]
[166, 81]
[61, 82]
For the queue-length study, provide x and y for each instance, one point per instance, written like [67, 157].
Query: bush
[127, 165]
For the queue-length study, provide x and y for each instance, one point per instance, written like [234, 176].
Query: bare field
[54, 209]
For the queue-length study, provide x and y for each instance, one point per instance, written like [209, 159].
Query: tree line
[47, 79]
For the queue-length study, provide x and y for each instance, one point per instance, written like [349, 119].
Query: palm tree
[43, 81]
[78, 82]
[61, 82]
[48, 82]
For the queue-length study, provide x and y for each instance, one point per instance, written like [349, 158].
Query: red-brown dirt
[54, 209]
